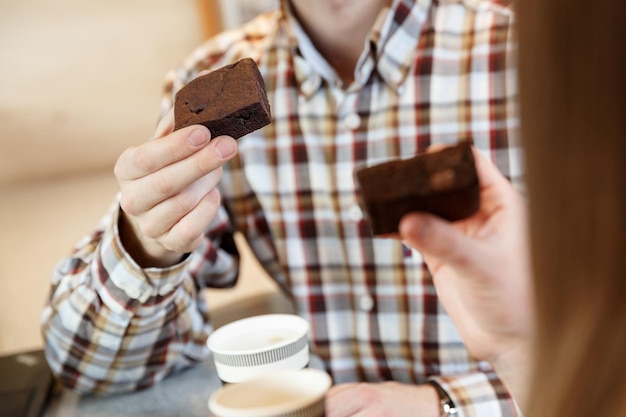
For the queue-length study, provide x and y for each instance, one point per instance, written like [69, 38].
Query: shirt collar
[396, 38]
[390, 47]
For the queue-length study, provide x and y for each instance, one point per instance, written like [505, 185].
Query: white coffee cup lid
[296, 393]
[255, 345]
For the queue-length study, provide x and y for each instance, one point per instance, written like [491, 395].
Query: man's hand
[383, 399]
[168, 194]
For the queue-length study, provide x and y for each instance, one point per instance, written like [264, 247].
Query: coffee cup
[257, 345]
[292, 393]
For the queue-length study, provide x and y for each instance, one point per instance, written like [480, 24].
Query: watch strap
[447, 405]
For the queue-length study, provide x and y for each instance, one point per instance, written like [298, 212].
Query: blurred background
[80, 81]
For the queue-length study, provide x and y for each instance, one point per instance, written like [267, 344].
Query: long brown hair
[572, 65]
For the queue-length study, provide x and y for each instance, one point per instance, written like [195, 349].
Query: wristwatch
[447, 405]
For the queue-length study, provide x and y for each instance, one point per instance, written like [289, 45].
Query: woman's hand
[481, 269]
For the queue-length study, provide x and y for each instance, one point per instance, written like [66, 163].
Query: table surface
[184, 394]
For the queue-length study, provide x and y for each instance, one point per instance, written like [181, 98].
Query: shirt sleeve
[111, 326]
[479, 393]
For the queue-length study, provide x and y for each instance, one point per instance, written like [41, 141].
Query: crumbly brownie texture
[228, 101]
[444, 183]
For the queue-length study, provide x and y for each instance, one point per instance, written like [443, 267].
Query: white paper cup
[298, 393]
[256, 345]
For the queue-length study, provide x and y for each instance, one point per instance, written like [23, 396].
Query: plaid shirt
[431, 73]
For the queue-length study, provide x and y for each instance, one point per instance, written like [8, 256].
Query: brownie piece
[229, 101]
[444, 183]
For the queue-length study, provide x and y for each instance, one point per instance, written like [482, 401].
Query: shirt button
[133, 292]
[366, 303]
[352, 121]
[309, 86]
[166, 289]
[396, 77]
[355, 214]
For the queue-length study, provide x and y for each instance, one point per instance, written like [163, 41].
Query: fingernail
[224, 148]
[198, 137]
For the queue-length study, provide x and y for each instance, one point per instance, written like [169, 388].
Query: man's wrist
[145, 252]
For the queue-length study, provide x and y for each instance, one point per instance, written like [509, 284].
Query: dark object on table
[444, 183]
[228, 101]
[25, 384]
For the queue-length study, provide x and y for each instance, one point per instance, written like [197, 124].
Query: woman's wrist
[514, 367]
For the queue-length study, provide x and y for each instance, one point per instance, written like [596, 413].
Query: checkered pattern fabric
[432, 72]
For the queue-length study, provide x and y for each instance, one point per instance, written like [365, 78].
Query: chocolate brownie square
[228, 101]
[444, 183]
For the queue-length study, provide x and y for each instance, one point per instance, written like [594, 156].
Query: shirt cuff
[478, 394]
[121, 281]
